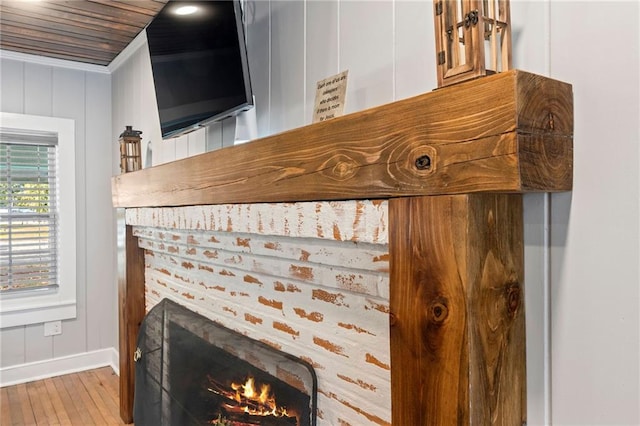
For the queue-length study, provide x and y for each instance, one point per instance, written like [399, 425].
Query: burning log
[243, 406]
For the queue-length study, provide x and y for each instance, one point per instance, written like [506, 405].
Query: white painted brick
[260, 272]
[355, 255]
[364, 221]
[355, 280]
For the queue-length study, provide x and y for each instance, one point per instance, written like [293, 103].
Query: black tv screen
[199, 63]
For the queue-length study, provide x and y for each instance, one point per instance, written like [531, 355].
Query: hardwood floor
[85, 398]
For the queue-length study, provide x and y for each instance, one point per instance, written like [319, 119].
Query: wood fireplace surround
[451, 166]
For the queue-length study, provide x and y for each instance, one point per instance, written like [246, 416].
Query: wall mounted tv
[199, 63]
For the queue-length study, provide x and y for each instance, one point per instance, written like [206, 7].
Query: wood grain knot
[340, 167]
[513, 299]
[438, 311]
[393, 319]
[423, 162]
[419, 161]
[344, 170]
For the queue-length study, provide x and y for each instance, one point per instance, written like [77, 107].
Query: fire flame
[246, 398]
[265, 401]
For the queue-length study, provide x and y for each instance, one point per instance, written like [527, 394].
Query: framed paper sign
[330, 97]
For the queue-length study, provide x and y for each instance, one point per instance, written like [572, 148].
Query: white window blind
[28, 212]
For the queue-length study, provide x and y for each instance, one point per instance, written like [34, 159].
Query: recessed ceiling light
[186, 10]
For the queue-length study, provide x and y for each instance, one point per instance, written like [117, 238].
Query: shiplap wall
[582, 254]
[28, 87]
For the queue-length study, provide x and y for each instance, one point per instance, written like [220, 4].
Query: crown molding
[54, 62]
[139, 41]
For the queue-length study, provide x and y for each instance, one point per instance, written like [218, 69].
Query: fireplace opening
[193, 371]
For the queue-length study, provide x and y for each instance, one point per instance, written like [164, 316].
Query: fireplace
[383, 247]
[192, 371]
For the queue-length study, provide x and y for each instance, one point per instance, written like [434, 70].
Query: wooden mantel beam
[510, 132]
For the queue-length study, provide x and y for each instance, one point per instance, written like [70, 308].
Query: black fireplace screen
[192, 371]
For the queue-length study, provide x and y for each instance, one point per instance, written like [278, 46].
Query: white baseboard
[22, 373]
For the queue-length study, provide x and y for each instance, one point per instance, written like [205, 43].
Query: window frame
[37, 306]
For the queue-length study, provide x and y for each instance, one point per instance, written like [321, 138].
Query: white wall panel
[12, 340]
[119, 108]
[530, 34]
[182, 146]
[537, 318]
[157, 152]
[101, 288]
[12, 81]
[37, 89]
[287, 65]
[366, 50]
[167, 150]
[137, 104]
[149, 119]
[414, 48]
[69, 102]
[12, 346]
[37, 347]
[259, 52]
[124, 76]
[595, 277]
[117, 115]
[321, 50]
[197, 142]
[228, 131]
[37, 101]
[213, 136]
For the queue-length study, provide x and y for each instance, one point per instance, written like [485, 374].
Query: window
[37, 219]
[28, 212]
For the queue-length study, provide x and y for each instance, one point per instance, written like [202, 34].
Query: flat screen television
[199, 63]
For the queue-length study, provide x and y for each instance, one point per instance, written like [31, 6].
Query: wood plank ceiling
[88, 31]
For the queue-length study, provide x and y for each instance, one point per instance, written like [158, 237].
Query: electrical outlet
[52, 328]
